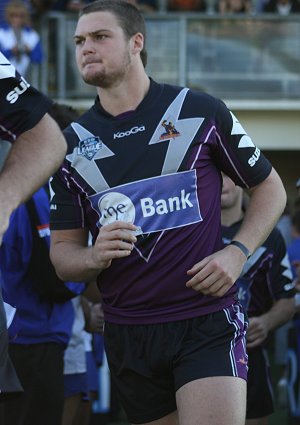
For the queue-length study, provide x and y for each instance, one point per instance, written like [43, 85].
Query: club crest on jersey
[89, 147]
[170, 131]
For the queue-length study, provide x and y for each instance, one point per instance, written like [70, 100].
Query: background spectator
[187, 5]
[145, 5]
[19, 42]
[69, 5]
[234, 6]
[4, 3]
[282, 7]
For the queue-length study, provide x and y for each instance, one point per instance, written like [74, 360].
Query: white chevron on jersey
[6, 69]
[246, 142]
[287, 266]
[179, 145]
[236, 126]
[237, 129]
[88, 168]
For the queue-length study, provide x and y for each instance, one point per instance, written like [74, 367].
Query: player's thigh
[212, 401]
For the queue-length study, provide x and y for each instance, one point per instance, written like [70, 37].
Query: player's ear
[137, 43]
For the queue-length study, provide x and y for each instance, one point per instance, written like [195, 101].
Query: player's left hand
[257, 331]
[95, 321]
[216, 274]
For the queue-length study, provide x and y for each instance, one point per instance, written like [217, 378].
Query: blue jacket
[35, 321]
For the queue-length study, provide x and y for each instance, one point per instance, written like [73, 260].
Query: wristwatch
[242, 247]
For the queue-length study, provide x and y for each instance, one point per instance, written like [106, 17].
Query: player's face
[102, 51]
[230, 193]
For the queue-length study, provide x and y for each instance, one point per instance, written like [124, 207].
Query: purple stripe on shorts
[238, 354]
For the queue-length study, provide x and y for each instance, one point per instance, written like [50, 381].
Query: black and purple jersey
[21, 106]
[267, 275]
[160, 168]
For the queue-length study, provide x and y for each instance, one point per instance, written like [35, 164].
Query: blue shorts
[75, 383]
[149, 363]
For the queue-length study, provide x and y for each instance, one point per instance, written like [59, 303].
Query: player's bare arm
[76, 261]
[215, 274]
[34, 156]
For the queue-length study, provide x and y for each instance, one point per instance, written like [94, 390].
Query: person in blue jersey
[174, 331]
[40, 330]
[42, 325]
[24, 122]
[266, 291]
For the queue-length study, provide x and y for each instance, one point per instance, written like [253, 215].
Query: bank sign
[155, 204]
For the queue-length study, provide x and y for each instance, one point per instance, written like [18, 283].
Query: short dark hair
[130, 18]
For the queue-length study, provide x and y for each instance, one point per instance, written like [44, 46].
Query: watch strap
[242, 247]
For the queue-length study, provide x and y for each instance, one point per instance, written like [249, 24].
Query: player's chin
[94, 79]
[91, 78]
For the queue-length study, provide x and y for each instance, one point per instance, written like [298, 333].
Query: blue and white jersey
[160, 168]
[35, 321]
[26, 37]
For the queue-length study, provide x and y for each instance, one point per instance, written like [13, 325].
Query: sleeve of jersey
[281, 277]
[66, 212]
[236, 153]
[21, 105]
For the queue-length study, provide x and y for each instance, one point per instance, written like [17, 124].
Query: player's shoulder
[200, 101]
[199, 95]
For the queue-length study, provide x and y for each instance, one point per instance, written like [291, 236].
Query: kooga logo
[133, 130]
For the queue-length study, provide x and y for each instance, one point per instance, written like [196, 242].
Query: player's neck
[126, 96]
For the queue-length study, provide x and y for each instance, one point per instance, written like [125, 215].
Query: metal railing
[233, 57]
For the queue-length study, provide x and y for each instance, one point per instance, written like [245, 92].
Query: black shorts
[149, 363]
[9, 382]
[40, 370]
[260, 397]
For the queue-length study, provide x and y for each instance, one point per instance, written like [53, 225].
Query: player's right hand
[115, 240]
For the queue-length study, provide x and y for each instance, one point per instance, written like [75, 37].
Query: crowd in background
[21, 43]
[281, 7]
